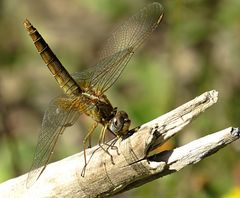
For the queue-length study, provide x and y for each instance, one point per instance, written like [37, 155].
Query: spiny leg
[90, 142]
[111, 145]
[90, 137]
[87, 137]
[101, 139]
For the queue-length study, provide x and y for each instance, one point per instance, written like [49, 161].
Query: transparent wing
[100, 77]
[120, 47]
[55, 120]
[133, 31]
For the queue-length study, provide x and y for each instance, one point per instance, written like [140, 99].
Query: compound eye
[117, 123]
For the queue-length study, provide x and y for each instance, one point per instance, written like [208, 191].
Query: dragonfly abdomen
[63, 78]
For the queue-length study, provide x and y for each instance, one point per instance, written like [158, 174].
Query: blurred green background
[195, 49]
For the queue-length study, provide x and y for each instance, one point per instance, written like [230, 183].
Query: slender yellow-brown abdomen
[64, 79]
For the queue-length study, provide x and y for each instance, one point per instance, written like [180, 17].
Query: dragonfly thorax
[117, 122]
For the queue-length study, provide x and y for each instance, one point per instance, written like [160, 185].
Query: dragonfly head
[119, 124]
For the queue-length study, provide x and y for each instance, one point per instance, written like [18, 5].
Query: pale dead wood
[133, 165]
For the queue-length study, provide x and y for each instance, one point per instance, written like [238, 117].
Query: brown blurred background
[195, 49]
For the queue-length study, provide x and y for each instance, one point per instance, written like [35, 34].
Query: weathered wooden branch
[133, 166]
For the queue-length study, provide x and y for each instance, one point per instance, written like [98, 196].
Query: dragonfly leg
[90, 137]
[111, 145]
[101, 141]
[86, 138]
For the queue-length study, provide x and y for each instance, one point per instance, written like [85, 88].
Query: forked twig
[133, 166]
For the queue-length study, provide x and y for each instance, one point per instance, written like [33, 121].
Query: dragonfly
[84, 91]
